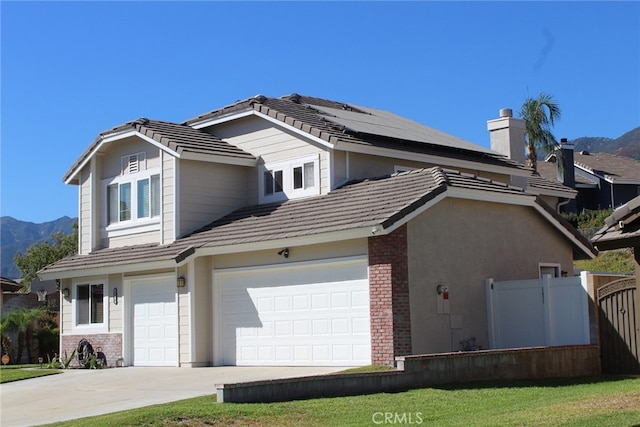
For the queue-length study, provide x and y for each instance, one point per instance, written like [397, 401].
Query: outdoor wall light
[442, 289]
[115, 296]
[284, 252]
[181, 282]
[65, 292]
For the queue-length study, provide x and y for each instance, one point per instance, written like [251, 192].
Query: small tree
[42, 254]
[539, 115]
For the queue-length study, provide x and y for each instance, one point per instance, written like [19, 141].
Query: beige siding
[131, 239]
[364, 166]
[168, 196]
[85, 211]
[204, 318]
[184, 326]
[339, 161]
[66, 326]
[462, 243]
[115, 310]
[264, 139]
[297, 254]
[273, 144]
[209, 191]
[112, 158]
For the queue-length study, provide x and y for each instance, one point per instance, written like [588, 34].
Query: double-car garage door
[295, 315]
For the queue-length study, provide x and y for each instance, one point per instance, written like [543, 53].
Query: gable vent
[133, 163]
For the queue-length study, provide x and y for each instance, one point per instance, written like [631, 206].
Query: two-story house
[298, 231]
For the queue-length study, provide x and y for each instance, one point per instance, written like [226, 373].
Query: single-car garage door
[155, 322]
[306, 314]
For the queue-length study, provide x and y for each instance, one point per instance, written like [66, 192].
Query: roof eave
[429, 158]
[107, 269]
[214, 158]
[213, 121]
[72, 176]
[314, 239]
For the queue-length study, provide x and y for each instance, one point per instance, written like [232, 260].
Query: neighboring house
[298, 231]
[602, 180]
[10, 287]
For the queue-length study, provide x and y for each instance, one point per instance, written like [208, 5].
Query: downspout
[561, 204]
[613, 204]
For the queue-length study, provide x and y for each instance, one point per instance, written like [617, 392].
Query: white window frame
[550, 265]
[287, 168]
[150, 223]
[90, 327]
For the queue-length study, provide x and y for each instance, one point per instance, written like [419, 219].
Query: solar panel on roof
[383, 123]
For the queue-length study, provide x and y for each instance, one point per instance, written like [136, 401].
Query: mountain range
[16, 236]
[628, 145]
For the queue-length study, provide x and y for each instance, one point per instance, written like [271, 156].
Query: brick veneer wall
[111, 345]
[389, 297]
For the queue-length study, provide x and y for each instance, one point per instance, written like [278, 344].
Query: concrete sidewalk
[81, 393]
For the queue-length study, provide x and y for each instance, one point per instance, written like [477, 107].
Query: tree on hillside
[539, 115]
[42, 254]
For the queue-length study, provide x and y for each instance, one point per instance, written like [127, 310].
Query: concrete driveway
[81, 393]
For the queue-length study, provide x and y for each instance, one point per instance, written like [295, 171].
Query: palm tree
[21, 319]
[539, 115]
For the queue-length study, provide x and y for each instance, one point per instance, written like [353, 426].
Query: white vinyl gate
[541, 312]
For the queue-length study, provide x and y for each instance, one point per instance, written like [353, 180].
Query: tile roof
[179, 138]
[9, 285]
[337, 122]
[549, 171]
[358, 204]
[380, 202]
[616, 169]
[622, 228]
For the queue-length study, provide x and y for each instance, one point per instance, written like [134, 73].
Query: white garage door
[303, 315]
[155, 322]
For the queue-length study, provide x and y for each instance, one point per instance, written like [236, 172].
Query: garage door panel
[155, 322]
[287, 319]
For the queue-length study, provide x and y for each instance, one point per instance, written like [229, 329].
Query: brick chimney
[507, 135]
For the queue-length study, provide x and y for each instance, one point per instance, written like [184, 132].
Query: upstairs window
[145, 193]
[304, 176]
[273, 182]
[134, 197]
[290, 179]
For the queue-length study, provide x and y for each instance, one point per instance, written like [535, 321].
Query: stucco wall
[461, 243]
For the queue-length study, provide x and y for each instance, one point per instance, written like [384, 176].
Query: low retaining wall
[423, 371]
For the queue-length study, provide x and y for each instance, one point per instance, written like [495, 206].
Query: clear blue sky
[73, 69]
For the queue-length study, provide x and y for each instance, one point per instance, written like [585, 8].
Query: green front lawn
[610, 401]
[10, 373]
